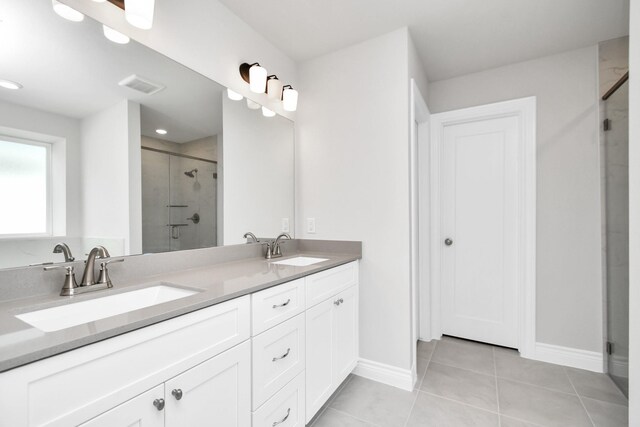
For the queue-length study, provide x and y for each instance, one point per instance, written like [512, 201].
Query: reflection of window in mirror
[25, 187]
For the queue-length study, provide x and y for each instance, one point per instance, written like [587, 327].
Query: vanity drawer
[285, 409]
[278, 357]
[275, 305]
[328, 283]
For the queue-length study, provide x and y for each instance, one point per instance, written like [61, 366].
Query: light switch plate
[285, 225]
[311, 225]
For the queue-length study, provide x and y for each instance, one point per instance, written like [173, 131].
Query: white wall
[258, 185]
[569, 278]
[352, 176]
[111, 177]
[205, 36]
[634, 215]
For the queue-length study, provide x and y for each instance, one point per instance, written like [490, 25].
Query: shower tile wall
[164, 182]
[615, 189]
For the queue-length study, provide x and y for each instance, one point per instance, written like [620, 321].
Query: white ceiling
[453, 37]
[71, 69]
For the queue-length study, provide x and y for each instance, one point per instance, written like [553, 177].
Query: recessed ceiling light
[114, 36]
[161, 131]
[8, 84]
[66, 12]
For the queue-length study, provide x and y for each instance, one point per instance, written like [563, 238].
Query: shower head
[192, 173]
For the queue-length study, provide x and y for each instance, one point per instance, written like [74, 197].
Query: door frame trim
[525, 110]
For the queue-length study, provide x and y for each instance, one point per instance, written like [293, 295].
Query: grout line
[355, 418]
[459, 402]
[579, 398]
[327, 405]
[495, 370]
[417, 390]
[539, 386]
[464, 369]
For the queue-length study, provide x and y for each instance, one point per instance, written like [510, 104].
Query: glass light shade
[114, 36]
[253, 105]
[257, 79]
[290, 100]
[267, 113]
[234, 96]
[139, 13]
[274, 89]
[66, 12]
[8, 84]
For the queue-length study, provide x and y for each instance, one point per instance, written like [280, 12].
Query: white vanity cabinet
[138, 411]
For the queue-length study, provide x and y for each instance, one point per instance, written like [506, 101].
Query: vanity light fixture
[234, 96]
[8, 84]
[274, 87]
[66, 12]
[252, 105]
[114, 36]
[255, 75]
[289, 98]
[267, 112]
[139, 13]
[161, 131]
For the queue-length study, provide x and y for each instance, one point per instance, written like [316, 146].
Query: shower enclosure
[179, 201]
[615, 168]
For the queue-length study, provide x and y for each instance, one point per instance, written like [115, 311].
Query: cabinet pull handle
[177, 393]
[338, 302]
[281, 357]
[275, 423]
[283, 304]
[159, 404]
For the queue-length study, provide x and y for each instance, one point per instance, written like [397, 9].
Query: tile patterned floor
[462, 383]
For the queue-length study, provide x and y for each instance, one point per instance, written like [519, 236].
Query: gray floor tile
[605, 414]
[512, 422]
[434, 411]
[421, 369]
[425, 349]
[506, 351]
[461, 385]
[533, 372]
[541, 406]
[333, 418]
[374, 402]
[468, 343]
[475, 357]
[596, 386]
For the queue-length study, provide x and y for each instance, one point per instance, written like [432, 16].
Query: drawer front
[285, 409]
[328, 283]
[104, 374]
[278, 357]
[275, 305]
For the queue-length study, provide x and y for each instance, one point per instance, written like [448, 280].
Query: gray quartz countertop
[21, 343]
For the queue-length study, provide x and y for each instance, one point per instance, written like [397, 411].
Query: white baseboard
[567, 356]
[386, 374]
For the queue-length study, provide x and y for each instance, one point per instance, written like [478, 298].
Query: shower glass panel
[615, 152]
[179, 202]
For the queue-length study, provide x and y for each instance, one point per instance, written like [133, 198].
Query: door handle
[448, 241]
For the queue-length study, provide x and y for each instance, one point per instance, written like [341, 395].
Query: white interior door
[479, 217]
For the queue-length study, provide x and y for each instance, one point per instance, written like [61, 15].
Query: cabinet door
[319, 343]
[345, 334]
[215, 393]
[139, 411]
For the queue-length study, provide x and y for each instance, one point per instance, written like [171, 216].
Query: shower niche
[179, 195]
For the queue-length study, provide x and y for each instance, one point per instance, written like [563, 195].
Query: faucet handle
[104, 272]
[269, 254]
[70, 283]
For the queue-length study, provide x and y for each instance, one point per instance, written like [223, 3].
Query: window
[25, 187]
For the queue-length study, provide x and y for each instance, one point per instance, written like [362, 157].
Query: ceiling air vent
[140, 84]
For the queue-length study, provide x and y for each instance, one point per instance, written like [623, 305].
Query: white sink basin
[300, 261]
[66, 316]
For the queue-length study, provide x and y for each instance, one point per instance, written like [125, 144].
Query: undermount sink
[66, 316]
[300, 261]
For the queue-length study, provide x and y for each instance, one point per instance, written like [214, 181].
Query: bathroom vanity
[255, 343]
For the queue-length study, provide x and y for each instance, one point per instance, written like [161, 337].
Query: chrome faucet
[89, 277]
[277, 252]
[252, 236]
[63, 248]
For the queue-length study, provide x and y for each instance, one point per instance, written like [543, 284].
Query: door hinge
[606, 124]
[609, 347]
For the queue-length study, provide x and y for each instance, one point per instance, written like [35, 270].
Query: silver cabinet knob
[177, 393]
[159, 404]
[338, 302]
[448, 241]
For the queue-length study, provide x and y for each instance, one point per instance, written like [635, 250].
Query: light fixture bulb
[8, 84]
[114, 36]
[290, 99]
[161, 131]
[252, 105]
[234, 96]
[66, 12]
[274, 88]
[257, 78]
[139, 13]
[267, 113]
